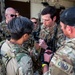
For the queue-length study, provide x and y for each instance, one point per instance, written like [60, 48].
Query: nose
[44, 22]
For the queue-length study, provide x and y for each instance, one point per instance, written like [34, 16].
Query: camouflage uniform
[16, 59]
[4, 32]
[29, 44]
[48, 33]
[63, 61]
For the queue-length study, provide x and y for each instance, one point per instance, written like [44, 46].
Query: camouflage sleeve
[60, 38]
[3, 29]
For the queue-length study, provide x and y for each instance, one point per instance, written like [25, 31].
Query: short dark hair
[49, 10]
[20, 26]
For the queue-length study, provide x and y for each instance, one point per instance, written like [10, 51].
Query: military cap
[68, 16]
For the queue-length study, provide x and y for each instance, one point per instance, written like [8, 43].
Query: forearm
[45, 68]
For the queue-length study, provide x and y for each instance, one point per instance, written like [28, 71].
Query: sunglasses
[35, 22]
[12, 15]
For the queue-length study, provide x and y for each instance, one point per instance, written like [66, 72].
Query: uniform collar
[68, 40]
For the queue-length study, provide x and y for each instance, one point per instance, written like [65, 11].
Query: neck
[19, 42]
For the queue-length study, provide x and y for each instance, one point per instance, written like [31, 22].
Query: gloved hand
[42, 44]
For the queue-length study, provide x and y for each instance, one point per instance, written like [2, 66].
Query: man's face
[65, 29]
[10, 15]
[35, 23]
[47, 21]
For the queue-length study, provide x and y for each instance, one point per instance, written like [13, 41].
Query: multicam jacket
[16, 59]
[48, 33]
[29, 47]
[29, 44]
[63, 61]
[4, 32]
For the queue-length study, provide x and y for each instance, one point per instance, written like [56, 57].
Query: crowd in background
[29, 47]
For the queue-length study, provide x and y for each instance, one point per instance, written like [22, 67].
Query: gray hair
[9, 9]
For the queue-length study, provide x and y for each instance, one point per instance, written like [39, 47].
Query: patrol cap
[20, 26]
[68, 16]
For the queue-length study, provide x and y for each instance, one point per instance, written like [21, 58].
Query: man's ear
[69, 29]
[25, 35]
[54, 19]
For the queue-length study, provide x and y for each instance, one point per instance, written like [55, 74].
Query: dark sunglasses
[35, 22]
[12, 15]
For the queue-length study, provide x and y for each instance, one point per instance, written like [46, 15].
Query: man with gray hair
[16, 59]
[10, 13]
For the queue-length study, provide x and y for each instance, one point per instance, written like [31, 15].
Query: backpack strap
[1, 43]
[2, 65]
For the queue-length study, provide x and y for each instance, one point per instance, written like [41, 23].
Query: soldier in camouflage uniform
[30, 46]
[50, 26]
[63, 60]
[49, 29]
[35, 22]
[16, 59]
[10, 13]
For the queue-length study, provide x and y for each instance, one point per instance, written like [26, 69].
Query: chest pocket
[61, 66]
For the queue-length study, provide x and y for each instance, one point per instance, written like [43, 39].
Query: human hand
[42, 44]
[47, 55]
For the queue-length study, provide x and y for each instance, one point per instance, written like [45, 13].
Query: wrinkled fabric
[29, 44]
[4, 32]
[19, 62]
[48, 33]
[63, 61]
